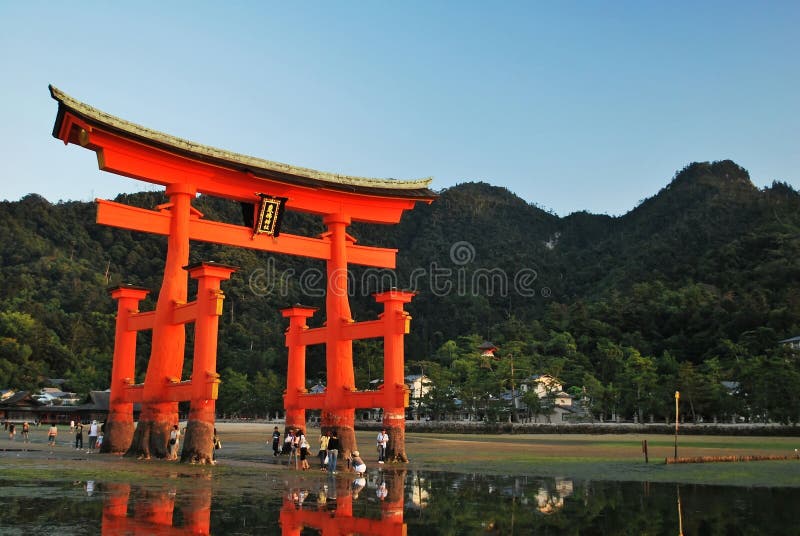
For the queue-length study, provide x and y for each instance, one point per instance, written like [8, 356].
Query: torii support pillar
[296, 369]
[198, 445]
[338, 414]
[119, 425]
[396, 325]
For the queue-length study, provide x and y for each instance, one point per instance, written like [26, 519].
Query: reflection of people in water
[327, 515]
[322, 496]
[298, 496]
[358, 485]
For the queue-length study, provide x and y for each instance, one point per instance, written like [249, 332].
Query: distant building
[731, 387]
[543, 384]
[53, 396]
[487, 349]
[563, 399]
[22, 406]
[19, 407]
[419, 385]
[793, 342]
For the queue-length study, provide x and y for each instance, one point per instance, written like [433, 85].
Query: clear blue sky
[571, 105]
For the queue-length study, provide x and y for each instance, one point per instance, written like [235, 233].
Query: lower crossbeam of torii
[187, 169]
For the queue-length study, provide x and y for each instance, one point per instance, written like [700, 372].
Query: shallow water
[392, 502]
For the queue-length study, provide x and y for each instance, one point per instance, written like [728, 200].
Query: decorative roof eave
[417, 189]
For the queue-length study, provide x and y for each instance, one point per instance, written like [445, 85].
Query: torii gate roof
[266, 169]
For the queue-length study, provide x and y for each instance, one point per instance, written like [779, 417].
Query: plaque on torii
[186, 169]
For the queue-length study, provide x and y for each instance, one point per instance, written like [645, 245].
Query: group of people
[294, 444]
[12, 431]
[297, 447]
[326, 495]
[95, 435]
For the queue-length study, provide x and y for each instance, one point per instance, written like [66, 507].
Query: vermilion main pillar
[159, 414]
[396, 325]
[337, 412]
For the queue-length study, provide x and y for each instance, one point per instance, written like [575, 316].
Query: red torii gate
[186, 169]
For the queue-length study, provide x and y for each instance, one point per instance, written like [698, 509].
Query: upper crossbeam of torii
[185, 169]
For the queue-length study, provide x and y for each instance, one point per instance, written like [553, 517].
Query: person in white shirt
[382, 441]
[93, 429]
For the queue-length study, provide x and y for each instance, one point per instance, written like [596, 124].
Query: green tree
[235, 394]
[641, 381]
[439, 400]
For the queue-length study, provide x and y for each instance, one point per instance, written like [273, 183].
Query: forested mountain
[694, 286]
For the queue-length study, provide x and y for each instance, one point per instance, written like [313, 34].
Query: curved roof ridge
[93, 114]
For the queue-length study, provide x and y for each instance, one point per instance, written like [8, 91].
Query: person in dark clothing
[78, 436]
[333, 452]
[276, 441]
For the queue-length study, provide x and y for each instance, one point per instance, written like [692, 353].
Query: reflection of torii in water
[186, 168]
[154, 510]
[294, 518]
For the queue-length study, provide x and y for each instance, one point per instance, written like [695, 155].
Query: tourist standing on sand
[79, 435]
[174, 440]
[11, 431]
[323, 450]
[26, 429]
[51, 436]
[382, 442]
[93, 429]
[333, 452]
[217, 446]
[288, 441]
[276, 441]
[304, 446]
